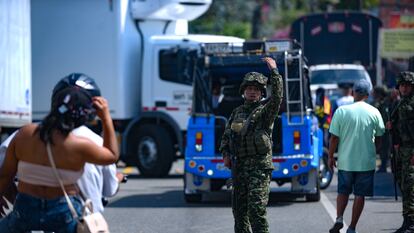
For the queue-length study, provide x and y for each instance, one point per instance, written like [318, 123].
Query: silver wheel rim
[147, 152]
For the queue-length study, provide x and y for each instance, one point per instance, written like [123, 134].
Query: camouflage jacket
[248, 132]
[402, 119]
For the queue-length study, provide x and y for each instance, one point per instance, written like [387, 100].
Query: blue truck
[218, 71]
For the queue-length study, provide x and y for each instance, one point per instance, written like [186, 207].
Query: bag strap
[246, 125]
[52, 162]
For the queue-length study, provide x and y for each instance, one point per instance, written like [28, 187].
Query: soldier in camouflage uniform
[247, 148]
[402, 119]
[382, 102]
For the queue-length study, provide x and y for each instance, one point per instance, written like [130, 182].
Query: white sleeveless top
[43, 175]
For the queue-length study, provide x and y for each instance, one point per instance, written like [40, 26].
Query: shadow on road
[172, 176]
[175, 199]
[384, 185]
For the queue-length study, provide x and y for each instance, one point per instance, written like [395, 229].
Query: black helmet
[254, 79]
[405, 77]
[79, 80]
[73, 107]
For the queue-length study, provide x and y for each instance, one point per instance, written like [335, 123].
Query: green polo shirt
[357, 125]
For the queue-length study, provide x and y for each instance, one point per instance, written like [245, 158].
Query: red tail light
[296, 140]
[199, 141]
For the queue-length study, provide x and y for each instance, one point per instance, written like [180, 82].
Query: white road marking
[330, 208]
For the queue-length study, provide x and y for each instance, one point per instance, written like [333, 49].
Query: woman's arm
[9, 168]
[109, 153]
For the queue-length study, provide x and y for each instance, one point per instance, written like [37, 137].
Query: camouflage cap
[254, 79]
[405, 77]
[380, 90]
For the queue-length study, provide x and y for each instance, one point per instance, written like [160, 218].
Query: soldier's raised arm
[271, 108]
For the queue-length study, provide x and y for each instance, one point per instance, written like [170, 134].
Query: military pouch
[236, 126]
[406, 129]
[263, 143]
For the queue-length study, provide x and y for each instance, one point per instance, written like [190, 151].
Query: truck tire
[325, 174]
[154, 151]
[193, 198]
[314, 197]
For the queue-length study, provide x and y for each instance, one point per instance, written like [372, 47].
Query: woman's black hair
[70, 109]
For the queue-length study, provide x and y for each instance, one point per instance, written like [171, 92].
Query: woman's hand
[101, 106]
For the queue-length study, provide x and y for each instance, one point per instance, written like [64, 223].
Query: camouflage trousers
[405, 179]
[249, 200]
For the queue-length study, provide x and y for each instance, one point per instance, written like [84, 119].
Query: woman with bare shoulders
[40, 203]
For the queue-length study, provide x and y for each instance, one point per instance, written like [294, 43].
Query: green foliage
[238, 29]
[231, 18]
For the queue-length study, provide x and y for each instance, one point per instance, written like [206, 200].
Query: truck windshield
[336, 76]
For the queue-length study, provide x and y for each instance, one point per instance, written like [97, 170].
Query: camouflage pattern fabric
[248, 139]
[384, 107]
[249, 199]
[403, 134]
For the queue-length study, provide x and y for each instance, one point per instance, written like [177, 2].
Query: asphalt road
[157, 205]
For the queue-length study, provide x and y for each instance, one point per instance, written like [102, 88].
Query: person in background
[383, 104]
[353, 128]
[40, 203]
[216, 95]
[346, 98]
[8, 197]
[323, 111]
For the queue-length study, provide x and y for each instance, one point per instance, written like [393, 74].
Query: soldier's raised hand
[271, 63]
[227, 162]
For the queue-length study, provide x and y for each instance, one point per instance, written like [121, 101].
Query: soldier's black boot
[410, 226]
[403, 226]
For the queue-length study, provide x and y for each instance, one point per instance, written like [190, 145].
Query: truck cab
[297, 140]
[135, 50]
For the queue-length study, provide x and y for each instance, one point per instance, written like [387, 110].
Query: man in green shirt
[354, 129]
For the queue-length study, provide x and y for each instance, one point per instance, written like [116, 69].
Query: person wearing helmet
[40, 203]
[402, 128]
[246, 147]
[97, 181]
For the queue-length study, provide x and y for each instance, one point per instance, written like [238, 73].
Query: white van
[328, 76]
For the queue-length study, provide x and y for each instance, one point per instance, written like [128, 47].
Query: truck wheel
[314, 197]
[193, 198]
[154, 151]
[325, 174]
[217, 184]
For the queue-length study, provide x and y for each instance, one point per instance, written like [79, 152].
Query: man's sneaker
[351, 231]
[336, 227]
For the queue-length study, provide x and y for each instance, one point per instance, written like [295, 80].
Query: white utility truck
[136, 50]
[15, 66]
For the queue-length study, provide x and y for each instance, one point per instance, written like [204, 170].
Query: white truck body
[118, 43]
[15, 64]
